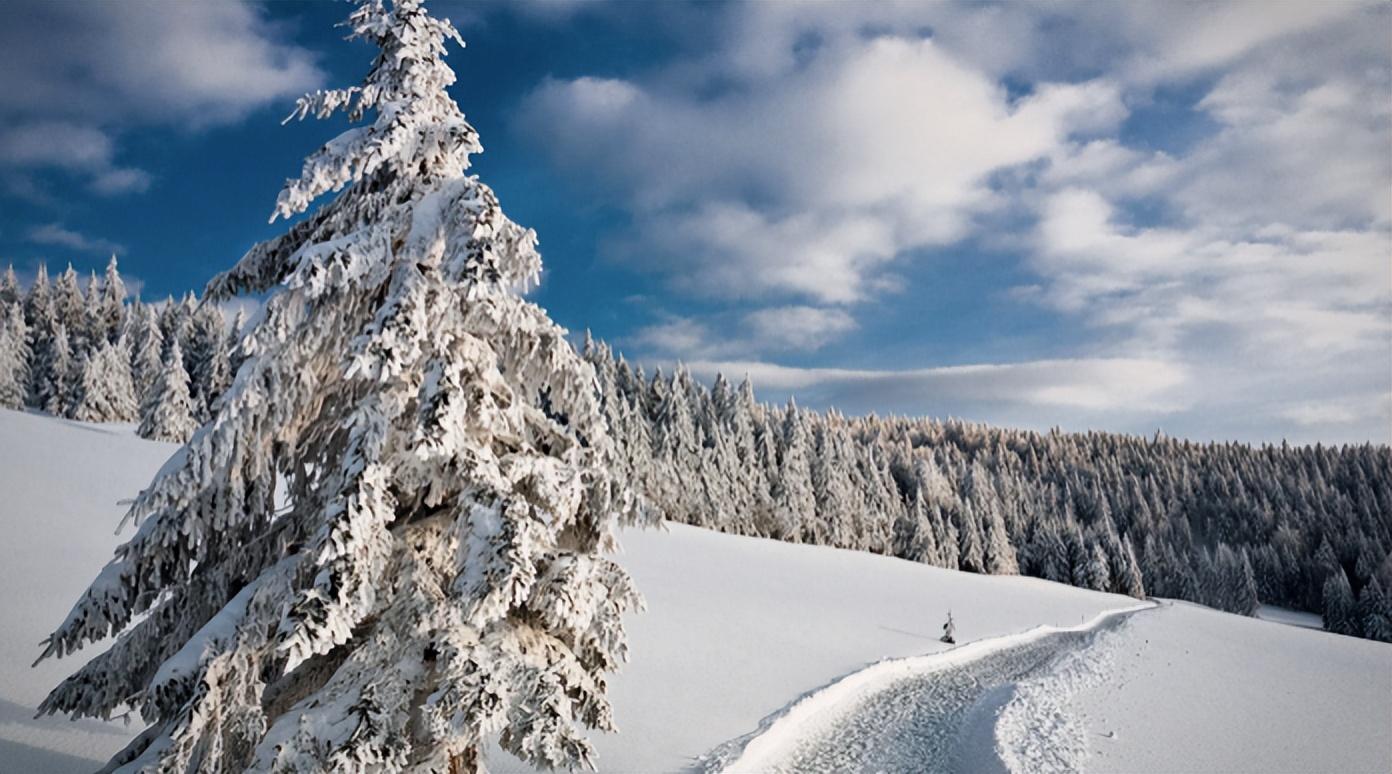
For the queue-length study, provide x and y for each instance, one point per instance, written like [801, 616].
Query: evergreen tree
[1097, 573]
[1339, 611]
[70, 309]
[148, 362]
[210, 369]
[38, 313]
[15, 358]
[1000, 554]
[107, 392]
[109, 313]
[235, 355]
[38, 304]
[1131, 582]
[167, 411]
[438, 568]
[10, 292]
[63, 374]
[971, 554]
[1376, 613]
[794, 501]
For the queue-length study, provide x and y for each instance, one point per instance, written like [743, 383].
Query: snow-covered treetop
[410, 160]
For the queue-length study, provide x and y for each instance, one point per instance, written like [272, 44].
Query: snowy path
[929, 713]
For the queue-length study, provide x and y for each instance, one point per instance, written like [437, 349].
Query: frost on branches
[436, 571]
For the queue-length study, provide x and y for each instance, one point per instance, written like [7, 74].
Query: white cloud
[75, 76]
[772, 329]
[59, 144]
[57, 235]
[147, 62]
[1169, 40]
[810, 186]
[797, 328]
[1080, 393]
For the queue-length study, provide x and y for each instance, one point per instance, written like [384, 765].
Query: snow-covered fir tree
[1375, 612]
[15, 357]
[167, 411]
[106, 392]
[38, 302]
[10, 291]
[210, 369]
[437, 570]
[109, 312]
[58, 388]
[176, 324]
[147, 359]
[795, 504]
[1339, 610]
[70, 309]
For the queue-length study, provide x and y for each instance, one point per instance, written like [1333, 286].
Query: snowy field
[1196, 690]
[738, 629]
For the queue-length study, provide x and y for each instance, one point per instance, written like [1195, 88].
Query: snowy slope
[737, 629]
[60, 487]
[1195, 690]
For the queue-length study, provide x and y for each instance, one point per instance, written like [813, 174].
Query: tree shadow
[916, 635]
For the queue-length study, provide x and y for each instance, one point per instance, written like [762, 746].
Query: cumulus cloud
[809, 186]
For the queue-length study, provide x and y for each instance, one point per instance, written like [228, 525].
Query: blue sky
[1122, 216]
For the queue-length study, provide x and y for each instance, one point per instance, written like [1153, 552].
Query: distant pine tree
[1339, 609]
[58, 390]
[15, 357]
[109, 313]
[10, 292]
[167, 411]
[107, 393]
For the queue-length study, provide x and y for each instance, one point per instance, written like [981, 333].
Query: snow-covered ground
[739, 629]
[1195, 690]
[60, 487]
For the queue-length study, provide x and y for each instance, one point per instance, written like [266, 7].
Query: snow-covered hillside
[739, 628]
[1195, 690]
[61, 483]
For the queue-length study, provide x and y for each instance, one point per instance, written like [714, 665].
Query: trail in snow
[930, 713]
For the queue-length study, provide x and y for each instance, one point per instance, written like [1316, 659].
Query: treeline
[1227, 525]
[97, 356]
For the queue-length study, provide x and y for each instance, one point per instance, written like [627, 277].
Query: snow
[61, 484]
[738, 629]
[1195, 690]
[735, 627]
[782, 744]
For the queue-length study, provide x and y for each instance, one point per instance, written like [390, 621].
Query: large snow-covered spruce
[436, 569]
